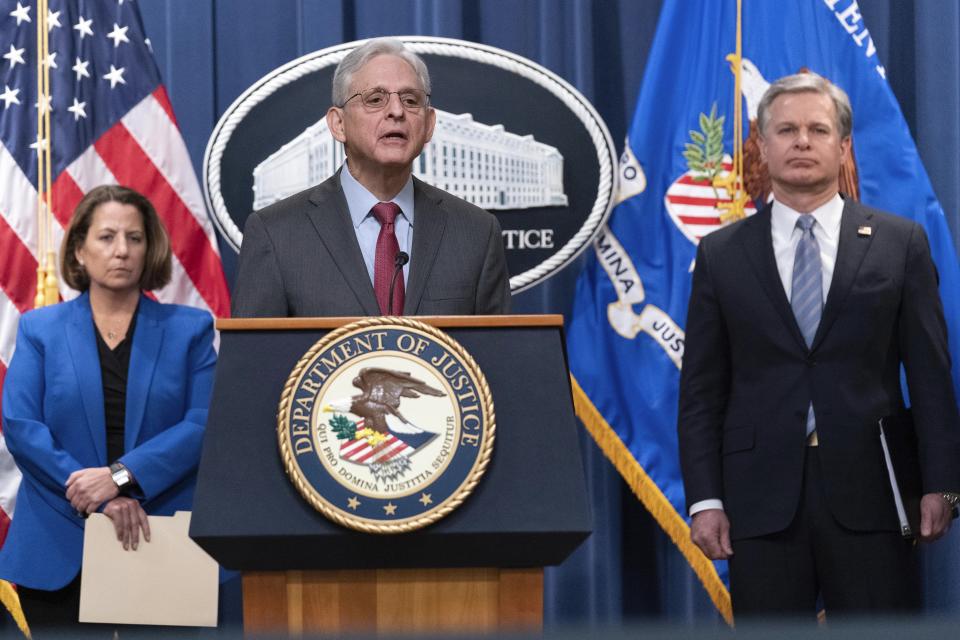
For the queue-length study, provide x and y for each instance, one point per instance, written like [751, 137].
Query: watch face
[121, 477]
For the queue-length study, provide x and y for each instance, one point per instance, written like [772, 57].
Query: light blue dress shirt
[367, 227]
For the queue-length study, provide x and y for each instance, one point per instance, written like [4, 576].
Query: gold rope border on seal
[448, 505]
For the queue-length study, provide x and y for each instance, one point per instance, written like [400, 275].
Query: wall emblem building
[485, 165]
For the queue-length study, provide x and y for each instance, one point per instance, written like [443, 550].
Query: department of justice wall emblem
[386, 425]
[511, 137]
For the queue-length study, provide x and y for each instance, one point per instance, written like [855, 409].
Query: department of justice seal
[386, 425]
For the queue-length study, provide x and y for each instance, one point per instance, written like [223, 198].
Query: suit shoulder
[41, 318]
[182, 317]
[724, 236]
[46, 315]
[895, 222]
[894, 232]
[294, 205]
[42, 326]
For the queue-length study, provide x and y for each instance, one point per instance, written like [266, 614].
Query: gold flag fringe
[10, 599]
[652, 498]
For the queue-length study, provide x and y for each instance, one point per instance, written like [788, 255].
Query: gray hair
[362, 54]
[808, 82]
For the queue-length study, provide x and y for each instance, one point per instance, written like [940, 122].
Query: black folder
[899, 441]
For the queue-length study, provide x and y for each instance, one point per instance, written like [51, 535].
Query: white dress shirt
[786, 235]
[360, 201]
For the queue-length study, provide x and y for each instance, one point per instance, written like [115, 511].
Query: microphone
[398, 262]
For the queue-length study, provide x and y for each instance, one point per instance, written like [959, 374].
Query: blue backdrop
[210, 51]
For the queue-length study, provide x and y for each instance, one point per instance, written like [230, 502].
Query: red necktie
[384, 261]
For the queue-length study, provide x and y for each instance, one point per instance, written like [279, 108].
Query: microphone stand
[398, 262]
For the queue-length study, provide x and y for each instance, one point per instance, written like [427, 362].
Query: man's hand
[129, 519]
[935, 517]
[710, 530]
[88, 488]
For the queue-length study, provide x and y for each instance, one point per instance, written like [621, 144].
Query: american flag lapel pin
[864, 231]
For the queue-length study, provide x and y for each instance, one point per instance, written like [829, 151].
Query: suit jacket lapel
[82, 343]
[758, 245]
[430, 219]
[144, 352]
[851, 249]
[331, 220]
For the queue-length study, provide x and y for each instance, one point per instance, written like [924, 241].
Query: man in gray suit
[372, 239]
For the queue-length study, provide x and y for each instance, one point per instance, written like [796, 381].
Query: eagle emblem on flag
[703, 199]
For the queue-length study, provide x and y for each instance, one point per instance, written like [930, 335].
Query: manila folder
[167, 581]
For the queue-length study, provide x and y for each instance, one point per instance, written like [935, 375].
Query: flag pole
[51, 289]
[40, 296]
[48, 290]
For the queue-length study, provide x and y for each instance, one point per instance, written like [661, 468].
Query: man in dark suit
[800, 318]
[340, 249]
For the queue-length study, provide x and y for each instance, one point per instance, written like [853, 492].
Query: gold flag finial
[732, 181]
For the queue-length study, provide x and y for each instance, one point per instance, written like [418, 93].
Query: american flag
[111, 123]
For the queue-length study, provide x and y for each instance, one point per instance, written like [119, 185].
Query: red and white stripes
[361, 452]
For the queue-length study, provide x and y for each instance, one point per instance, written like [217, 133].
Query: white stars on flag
[53, 20]
[40, 143]
[15, 56]
[46, 106]
[80, 69]
[83, 27]
[21, 13]
[51, 60]
[78, 109]
[118, 35]
[9, 96]
[115, 76]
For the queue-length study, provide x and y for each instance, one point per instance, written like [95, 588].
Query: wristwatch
[121, 476]
[952, 498]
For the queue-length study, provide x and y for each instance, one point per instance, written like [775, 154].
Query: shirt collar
[360, 201]
[783, 219]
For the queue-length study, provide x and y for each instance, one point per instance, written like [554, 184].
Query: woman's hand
[88, 488]
[129, 519]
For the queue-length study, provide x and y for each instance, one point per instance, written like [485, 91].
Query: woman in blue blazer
[104, 403]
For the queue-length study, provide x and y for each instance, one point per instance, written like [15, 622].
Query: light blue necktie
[806, 297]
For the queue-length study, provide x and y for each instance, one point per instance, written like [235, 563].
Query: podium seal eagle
[386, 425]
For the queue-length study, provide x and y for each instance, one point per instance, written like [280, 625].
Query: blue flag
[688, 139]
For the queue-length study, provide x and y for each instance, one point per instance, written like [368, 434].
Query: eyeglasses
[377, 98]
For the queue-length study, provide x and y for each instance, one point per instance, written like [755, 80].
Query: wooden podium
[393, 600]
[479, 569]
